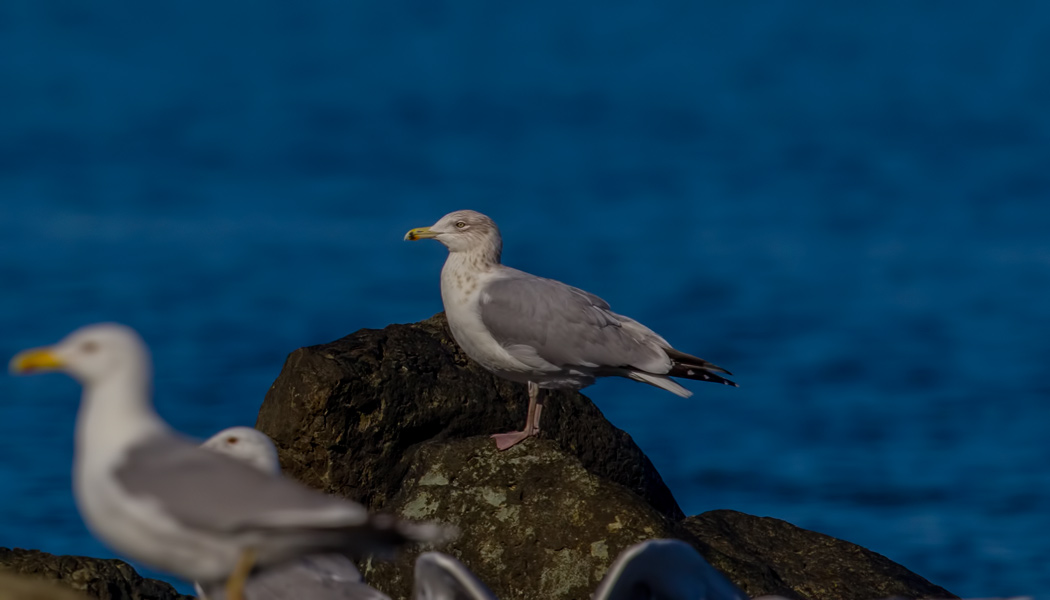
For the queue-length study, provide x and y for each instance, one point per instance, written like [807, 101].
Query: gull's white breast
[135, 527]
[463, 293]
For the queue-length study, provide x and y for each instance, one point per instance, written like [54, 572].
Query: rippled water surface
[846, 206]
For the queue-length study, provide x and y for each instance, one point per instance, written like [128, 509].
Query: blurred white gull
[540, 331]
[156, 497]
[318, 577]
[248, 445]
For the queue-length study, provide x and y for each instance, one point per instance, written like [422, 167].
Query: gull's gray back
[566, 326]
[208, 491]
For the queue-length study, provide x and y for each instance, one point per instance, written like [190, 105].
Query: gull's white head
[246, 444]
[90, 354]
[463, 231]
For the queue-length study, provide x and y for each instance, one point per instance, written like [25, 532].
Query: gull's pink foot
[506, 440]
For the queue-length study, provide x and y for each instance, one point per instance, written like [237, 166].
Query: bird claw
[509, 439]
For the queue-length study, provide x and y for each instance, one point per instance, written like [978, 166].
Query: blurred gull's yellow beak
[419, 233]
[37, 359]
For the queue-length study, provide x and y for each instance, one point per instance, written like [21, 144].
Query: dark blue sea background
[846, 204]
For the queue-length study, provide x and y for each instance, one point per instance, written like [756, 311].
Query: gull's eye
[460, 224]
[88, 347]
[232, 440]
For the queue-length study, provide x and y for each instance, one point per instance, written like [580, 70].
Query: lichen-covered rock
[345, 414]
[533, 522]
[105, 579]
[398, 418]
[763, 555]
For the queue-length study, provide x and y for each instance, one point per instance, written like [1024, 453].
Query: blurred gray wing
[205, 490]
[664, 570]
[566, 326]
[317, 577]
[441, 577]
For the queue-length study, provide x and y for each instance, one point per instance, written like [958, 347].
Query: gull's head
[462, 231]
[89, 354]
[246, 444]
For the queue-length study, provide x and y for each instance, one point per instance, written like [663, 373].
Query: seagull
[248, 445]
[156, 497]
[317, 577]
[540, 331]
[651, 570]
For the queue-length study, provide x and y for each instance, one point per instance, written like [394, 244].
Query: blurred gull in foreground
[158, 498]
[248, 445]
[318, 577]
[540, 331]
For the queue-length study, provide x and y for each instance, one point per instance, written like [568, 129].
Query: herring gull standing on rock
[317, 577]
[160, 499]
[540, 331]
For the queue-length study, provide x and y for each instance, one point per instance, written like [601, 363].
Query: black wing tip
[688, 361]
[700, 374]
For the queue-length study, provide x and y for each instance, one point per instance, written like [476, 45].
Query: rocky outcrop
[763, 556]
[533, 522]
[105, 579]
[398, 418]
[344, 414]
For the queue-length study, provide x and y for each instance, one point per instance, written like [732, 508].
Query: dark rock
[105, 579]
[533, 522]
[345, 414]
[382, 416]
[763, 555]
[25, 587]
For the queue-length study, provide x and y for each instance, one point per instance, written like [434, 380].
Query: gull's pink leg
[534, 427]
[509, 439]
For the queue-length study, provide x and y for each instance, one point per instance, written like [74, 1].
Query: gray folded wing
[664, 570]
[440, 577]
[207, 491]
[566, 326]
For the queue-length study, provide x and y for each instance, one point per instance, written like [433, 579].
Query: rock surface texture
[763, 555]
[398, 418]
[105, 579]
[533, 522]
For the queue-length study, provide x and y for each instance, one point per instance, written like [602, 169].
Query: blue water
[845, 205]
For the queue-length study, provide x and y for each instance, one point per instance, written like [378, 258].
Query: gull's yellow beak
[37, 359]
[419, 233]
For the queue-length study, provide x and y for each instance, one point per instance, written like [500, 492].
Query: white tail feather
[660, 382]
